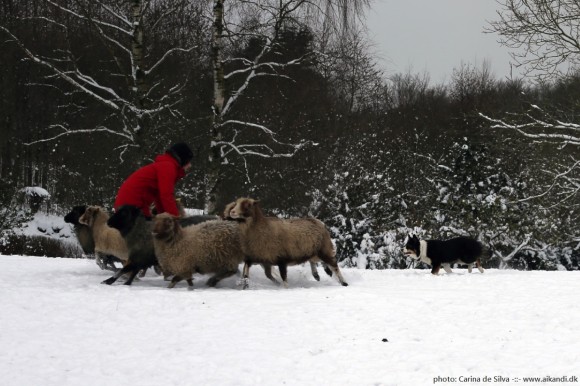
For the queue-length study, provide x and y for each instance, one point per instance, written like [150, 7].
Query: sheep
[85, 238]
[267, 267]
[209, 247]
[275, 241]
[107, 241]
[135, 229]
[83, 232]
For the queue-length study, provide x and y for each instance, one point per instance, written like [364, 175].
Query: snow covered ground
[59, 326]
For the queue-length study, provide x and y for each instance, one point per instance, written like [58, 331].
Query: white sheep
[281, 242]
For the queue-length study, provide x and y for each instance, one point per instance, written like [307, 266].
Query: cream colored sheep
[281, 242]
[209, 247]
[108, 241]
[267, 267]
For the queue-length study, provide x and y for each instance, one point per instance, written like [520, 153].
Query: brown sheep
[267, 267]
[108, 241]
[210, 247]
[281, 242]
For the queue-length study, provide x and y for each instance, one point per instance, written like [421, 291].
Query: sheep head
[166, 227]
[124, 218]
[88, 218]
[227, 210]
[75, 214]
[245, 208]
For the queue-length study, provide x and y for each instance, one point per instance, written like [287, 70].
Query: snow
[42, 224]
[60, 327]
[35, 191]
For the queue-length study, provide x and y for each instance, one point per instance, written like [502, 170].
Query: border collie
[462, 250]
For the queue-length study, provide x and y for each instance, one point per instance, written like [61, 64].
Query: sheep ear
[92, 214]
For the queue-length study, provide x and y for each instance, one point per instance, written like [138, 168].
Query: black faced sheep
[281, 242]
[136, 230]
[209, 247]
[107, 241]
[83, 232]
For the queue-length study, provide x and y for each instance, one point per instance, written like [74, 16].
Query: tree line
[288, 104]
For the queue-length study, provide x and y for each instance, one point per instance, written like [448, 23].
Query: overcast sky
[436, 36]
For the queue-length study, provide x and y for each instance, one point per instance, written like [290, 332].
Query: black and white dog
[462, 250]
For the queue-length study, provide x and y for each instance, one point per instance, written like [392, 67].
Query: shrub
[38, 246]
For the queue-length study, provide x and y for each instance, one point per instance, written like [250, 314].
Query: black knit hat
[181, 152]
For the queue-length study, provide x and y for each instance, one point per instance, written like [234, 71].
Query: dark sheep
[136, 230]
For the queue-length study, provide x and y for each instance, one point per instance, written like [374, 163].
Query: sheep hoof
[108, 281]
[245, 283]
[316, 276]
[344, 284]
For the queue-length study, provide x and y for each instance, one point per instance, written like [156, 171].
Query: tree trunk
[214, 177]
[139, 87]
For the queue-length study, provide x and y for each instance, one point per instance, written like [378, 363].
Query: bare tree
[469, 84]
[129, 85]
[544, 34]
[541, 127]
[349, 64]
[260, 20]
[545, 37]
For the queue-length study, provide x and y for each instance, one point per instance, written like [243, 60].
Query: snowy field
[59, 326]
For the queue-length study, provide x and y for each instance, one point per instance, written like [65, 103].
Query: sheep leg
[176, 279]
[190, 284]
[333, 266]
[134, 273]
[219, 276]
[283, 268]
[103, 261]
[326, 269]
[109, 262]
[268, 273]
[117, 275]
[246, 275]
[314, 271]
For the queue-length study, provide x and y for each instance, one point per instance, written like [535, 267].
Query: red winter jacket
[152, 184]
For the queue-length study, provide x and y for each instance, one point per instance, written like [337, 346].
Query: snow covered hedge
[373, 204]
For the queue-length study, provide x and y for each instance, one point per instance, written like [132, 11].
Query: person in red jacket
[155, 183]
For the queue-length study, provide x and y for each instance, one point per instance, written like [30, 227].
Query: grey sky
[436, 36]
